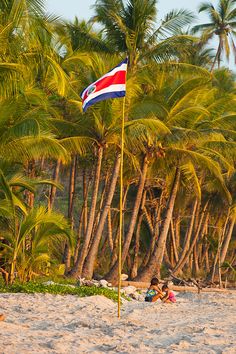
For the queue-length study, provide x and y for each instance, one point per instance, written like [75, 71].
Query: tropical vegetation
[59, 167]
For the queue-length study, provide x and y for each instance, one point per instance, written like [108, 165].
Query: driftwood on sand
[184, 288]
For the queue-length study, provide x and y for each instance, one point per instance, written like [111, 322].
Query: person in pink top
[169, 296]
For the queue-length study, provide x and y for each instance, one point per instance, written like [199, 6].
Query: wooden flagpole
[121, 208]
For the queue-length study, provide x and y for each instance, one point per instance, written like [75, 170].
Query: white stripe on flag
[122, 67]
[111, 88]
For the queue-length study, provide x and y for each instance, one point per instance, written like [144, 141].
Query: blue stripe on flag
[104, 96]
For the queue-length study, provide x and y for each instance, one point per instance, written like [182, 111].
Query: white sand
[67, 324]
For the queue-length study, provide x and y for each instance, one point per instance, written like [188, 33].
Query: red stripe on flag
[118, 78]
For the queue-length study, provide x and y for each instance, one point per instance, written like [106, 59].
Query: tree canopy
[59, 167]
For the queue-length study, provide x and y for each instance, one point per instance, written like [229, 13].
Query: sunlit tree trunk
[71, 198]
[82, 217]
[134, 270]
[201, 228]
[53, 189]
[173, 242]
[93, 251]
[85, 198]
[79, 232]
[195, 259]
[77, 269]
[113, 274]
[156, 259]
[114, 255]
[226, 241]
[100, 208]
[177, 223]
[109, 231]
[157, 222]
[187, 236]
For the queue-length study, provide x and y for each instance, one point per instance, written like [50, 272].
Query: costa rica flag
[110, 85]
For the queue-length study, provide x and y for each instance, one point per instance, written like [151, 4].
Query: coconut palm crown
[222, 24]
[131, 27]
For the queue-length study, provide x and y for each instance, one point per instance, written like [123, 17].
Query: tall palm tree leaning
[222, 24]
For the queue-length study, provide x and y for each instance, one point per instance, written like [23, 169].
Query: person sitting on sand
[169, 296]
[154, 292]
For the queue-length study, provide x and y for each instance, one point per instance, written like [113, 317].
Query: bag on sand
[149, 295]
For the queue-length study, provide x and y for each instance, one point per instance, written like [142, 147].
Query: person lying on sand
[2, 317]
[169, 296]
[154, 292]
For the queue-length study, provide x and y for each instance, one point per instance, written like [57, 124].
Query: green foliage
[221, 24]
[177, 113]
[63, 289]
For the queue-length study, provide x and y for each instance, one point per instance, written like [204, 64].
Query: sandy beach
[44, 323]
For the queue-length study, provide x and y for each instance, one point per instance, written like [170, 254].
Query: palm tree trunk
[217, 56]
[227, 241]
[166, 259]
[207, 260]
[53, 190]
[169, 249]
[216, 264]
[201, 228]
[109, 231]
[148, 220]
[113, 273]
[71, 195]
[82, 218]
[72, 181]
[195, 258]
[85, 198]
[12, 268]
[116, 236]
[155, 236]
[79, 231]
[93, 251]
[187, 236]
[134, 269]
[77, 269]
[173, 242]
[155, 262]
[115, 247]
[97, 218]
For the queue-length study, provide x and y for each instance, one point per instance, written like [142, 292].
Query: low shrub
[81, 291]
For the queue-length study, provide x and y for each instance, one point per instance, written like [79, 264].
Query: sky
[68, 9]
[82, 8]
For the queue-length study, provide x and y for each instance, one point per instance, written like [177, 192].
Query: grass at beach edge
[59, 289]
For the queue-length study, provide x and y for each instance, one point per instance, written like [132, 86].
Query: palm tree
[18, 224]
[81, 36]
[180, 114]
[222, 24]
[131, 28]
[198, 53]
[179, 140]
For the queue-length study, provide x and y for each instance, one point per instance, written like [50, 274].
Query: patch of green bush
[81, 291]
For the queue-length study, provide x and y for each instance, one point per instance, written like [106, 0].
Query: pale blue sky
[82, 8]
[68, 9]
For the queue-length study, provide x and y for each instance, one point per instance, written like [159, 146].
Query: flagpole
[95, 93]
[121, 207]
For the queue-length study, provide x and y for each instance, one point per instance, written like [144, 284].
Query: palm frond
[188, 173]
